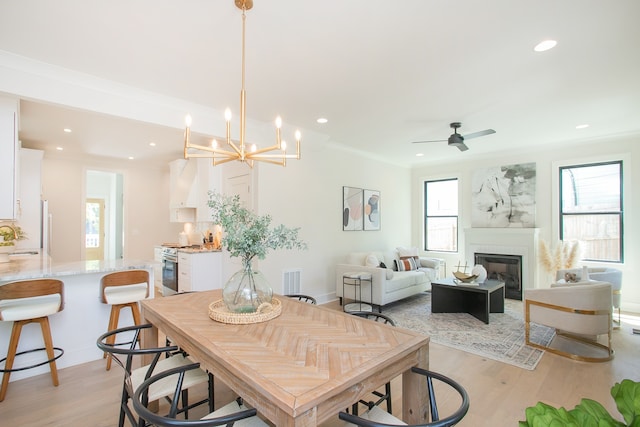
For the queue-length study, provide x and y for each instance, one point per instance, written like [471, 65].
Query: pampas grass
[563, 255]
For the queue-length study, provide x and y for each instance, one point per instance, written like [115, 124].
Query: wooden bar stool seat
[24, 302]
[123, 289]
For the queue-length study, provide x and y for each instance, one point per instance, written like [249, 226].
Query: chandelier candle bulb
[239, 150]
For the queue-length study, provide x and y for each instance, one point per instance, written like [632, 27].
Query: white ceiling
[384, 72]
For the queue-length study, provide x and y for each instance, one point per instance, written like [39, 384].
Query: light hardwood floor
[499, 393]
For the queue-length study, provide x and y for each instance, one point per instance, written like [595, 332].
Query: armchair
[581, 313]
[611, 275]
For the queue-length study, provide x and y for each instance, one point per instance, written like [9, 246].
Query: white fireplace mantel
[506, 241]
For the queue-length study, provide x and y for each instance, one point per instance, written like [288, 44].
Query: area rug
[502, 339]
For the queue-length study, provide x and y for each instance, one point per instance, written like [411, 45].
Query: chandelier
[240, 150]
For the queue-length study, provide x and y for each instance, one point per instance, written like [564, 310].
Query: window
[441, 215]
[591, 209]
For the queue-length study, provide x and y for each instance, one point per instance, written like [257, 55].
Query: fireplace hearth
[506, 268]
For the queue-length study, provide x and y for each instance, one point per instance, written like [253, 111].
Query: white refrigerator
[45, 228]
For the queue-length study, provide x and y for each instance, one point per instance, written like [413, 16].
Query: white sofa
[388, 284]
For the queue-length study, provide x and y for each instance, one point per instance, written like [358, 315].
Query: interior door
[241, 186]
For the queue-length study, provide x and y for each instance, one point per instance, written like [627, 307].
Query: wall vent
[291, 281]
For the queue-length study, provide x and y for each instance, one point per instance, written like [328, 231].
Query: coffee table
[448, 296]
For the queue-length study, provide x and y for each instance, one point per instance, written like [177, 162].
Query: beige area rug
[502, 339]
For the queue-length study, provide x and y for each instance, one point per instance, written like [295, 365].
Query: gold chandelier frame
[239, 150]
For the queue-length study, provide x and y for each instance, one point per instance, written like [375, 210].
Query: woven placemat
[219, 312]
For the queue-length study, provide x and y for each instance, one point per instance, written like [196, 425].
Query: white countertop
[25, 267]
[198, 250]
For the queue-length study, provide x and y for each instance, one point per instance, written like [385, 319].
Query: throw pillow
[408, 252]
[371, 261]
[407, 264]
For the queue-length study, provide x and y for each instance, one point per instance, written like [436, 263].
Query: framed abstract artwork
[504, 196]
[352, 203]
[371, 210]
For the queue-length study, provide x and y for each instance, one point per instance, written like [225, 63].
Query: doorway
[104, 215]
[94, 229]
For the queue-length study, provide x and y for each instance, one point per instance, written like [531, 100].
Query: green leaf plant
[589, 413]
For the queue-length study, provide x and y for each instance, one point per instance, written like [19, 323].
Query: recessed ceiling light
[419, 154]
[130, 157]
[59, 148]
[67, 130]
[322, 120]
[153, 144]
[545, 45]
[584, 126]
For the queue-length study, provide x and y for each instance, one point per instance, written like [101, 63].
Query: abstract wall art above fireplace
[504, 196]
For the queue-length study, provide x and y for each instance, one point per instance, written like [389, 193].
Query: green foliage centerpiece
[248, 236]
[9, 235]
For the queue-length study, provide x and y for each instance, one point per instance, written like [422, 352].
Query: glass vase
[246, 290]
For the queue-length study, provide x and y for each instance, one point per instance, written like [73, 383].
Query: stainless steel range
[169, 270]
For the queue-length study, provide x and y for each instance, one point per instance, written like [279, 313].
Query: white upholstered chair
[597, 274]
[123, 289]
[30, 301]
[580, 313]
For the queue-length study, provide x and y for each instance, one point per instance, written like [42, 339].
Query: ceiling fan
[457, 140]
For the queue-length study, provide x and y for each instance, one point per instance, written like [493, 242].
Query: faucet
[15, 232]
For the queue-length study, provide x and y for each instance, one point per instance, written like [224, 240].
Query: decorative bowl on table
[463, 277]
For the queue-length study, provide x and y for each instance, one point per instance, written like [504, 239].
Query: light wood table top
[301, 368]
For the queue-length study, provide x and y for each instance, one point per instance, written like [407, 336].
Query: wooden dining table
[300, 368]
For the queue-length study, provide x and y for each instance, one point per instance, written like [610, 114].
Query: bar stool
[123, 289]
[30, 301]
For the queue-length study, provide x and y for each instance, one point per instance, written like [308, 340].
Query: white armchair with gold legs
[597, 274]
[581, 315]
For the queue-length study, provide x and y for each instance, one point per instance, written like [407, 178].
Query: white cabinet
[8, 158]
[183, 186]
[157, 269]
[182, 214]
[190, 183]
[29, 213]
[199, 271]
[208, 180]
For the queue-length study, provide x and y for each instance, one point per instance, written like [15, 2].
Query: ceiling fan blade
[480, 133]
[462, 147]
[435, 140]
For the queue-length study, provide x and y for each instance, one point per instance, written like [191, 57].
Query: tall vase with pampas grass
[564, 255]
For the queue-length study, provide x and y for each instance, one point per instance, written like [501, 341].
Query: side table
[356, 279]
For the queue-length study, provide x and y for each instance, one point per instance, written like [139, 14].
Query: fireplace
[506, 268]
[522, 242]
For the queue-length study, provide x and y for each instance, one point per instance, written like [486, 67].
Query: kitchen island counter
[23, 267]
[84, 317]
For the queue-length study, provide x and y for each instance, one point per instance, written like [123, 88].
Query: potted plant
[10, 234]
[589, 412]
[248, 236]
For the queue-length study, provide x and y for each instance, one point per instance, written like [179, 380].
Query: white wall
[307, 193]
[547, 159]
[146, 205]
